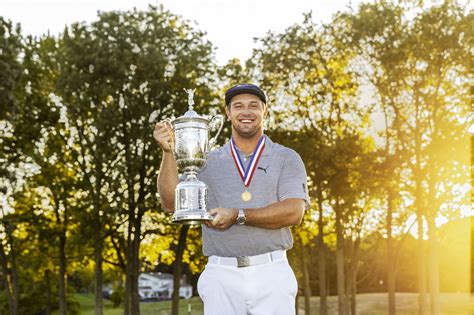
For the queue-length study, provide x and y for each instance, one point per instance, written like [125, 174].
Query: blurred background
[375, 96]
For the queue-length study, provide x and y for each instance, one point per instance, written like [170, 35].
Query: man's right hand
[164, 135]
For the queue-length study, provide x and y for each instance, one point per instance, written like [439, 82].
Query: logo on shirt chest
[263, 168]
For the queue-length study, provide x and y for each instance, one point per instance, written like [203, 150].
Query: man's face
[246, 113]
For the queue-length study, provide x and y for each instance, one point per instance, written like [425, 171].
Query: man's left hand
[224, 218]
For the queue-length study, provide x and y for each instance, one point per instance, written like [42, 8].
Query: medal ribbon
[247, 174]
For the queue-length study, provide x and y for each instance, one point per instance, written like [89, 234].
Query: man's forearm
[277, 215]
[167, 181]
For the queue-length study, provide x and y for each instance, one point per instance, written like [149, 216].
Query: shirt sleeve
[293, 181]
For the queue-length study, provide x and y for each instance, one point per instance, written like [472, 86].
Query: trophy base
[190, 217]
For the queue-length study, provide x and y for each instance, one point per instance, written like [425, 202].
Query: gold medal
[246, 196]
[247, 174]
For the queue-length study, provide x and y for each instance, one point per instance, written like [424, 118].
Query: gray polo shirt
[280, 175]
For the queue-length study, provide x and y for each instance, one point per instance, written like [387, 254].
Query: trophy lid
[190, 115]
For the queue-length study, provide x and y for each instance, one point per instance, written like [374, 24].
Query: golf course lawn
[367, 304]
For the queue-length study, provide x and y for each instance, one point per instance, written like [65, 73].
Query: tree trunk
[322, 255]
[127, 293]
[433, 204]
[421, 260]
[178, 267]
[98, 276]
[390, 257]
[129, 261]
[128, 271]
[349, 254]
[47, 276]
[328, 284]
[433, 267]
[135, 269]
[306, 286]
[6, 279]
[340, 262]
[132, 301]
[351, 276]
[99, 244]
[62, 226]
[136, 211]
[354, 292]
[354, 260]
[98, 273]
[422, 297]
[13, 271]
[419, 213]
[62, 274]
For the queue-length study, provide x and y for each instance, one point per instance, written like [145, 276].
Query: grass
[406, 304]
[146, 308]
[367, 304]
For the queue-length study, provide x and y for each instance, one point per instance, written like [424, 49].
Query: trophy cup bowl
[191, 148]
[191, 143]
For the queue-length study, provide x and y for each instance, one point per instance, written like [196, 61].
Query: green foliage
[313, 74]
[83, 119]
[10, 66]
[11, 69]
[117, 296]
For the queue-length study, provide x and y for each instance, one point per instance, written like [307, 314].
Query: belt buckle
[243, 261]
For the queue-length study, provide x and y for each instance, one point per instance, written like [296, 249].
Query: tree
[378, 32]
[27, 84]
[119, 73]
[307, 70]
[10, 69]
[437, 87]
[411, 64]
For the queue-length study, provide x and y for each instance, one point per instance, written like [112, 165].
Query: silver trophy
[191, 148]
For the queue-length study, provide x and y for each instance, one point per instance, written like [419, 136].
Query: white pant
[264, 289]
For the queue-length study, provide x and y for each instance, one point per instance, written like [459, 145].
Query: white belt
[247, 261]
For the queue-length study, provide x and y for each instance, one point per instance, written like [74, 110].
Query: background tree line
[375, 101]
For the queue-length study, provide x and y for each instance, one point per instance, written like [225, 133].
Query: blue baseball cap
[245, 88]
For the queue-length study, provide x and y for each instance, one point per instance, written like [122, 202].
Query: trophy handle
[213, 140]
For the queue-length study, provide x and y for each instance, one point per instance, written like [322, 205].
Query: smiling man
[257, 190]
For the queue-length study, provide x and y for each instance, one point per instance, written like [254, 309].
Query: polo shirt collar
[266, 151]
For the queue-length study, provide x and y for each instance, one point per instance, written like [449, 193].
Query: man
[257, 190]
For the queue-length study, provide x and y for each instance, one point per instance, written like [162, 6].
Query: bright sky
[231, 25]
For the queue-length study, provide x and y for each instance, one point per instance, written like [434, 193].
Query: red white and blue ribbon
[247, 174]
